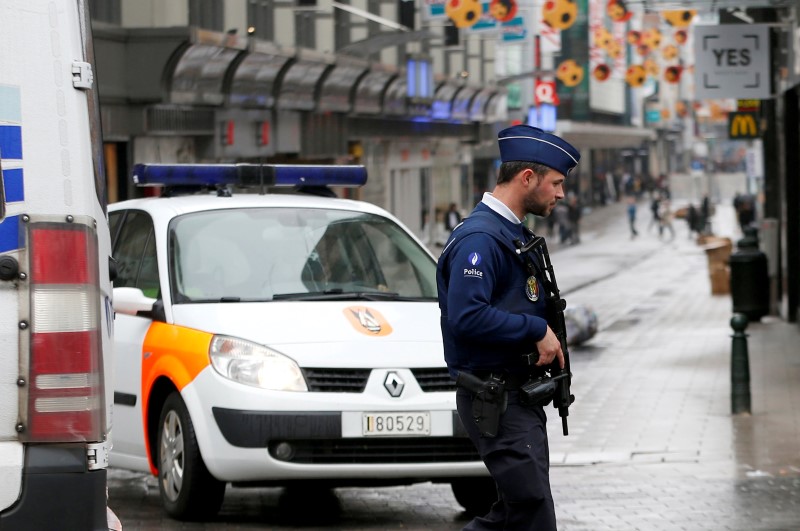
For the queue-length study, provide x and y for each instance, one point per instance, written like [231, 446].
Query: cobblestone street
[652, 443]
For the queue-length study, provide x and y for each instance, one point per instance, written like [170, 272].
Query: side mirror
[132, 301]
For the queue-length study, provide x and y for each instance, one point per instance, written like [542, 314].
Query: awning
[395, 101]
[497, 107]
[338, 85]
[477, 108]
[461, 105]
[177, 68]
[442, 106]
[299, 83]
[200, 72]
[253, 83]
[587, 135]
[370, 89]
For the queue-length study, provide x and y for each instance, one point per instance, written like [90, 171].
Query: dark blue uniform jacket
[492, 311]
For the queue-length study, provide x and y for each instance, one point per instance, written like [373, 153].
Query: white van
[55, 291]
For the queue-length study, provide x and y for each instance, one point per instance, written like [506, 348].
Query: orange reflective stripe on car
[175, 352]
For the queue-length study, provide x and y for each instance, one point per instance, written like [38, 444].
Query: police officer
[493, 322]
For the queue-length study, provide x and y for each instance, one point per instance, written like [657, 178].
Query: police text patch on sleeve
[472, 270]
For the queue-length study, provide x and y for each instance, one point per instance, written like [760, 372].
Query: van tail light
[65, 401]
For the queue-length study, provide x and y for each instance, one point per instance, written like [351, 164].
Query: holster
[489, 401]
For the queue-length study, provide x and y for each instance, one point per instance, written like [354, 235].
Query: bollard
[749, 279]
[740, 366]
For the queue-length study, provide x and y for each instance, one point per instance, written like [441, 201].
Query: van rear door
[55, 292]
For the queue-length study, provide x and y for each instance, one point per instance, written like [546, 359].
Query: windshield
[258, 254]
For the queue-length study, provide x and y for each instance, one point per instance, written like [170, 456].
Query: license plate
[396, 424]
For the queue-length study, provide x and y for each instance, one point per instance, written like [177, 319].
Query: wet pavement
[652, 445]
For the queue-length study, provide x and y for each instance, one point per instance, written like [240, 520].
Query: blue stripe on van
[11, 141]
[9, 234]
[13, 184]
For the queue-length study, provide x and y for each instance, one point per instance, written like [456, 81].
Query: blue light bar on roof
[248, 175]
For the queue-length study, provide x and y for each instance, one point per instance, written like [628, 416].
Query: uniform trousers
[518, 459]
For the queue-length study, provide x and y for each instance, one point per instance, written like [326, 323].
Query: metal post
[740, 366]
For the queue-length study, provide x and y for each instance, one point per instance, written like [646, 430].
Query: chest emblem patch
[532, 289]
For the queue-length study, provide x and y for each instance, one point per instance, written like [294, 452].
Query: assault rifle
[541, 265]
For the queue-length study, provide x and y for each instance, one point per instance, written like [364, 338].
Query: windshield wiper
[338, 294]
[219, 300]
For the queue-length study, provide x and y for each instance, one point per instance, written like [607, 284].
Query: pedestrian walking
[574, 217]
[610, 189]
[665, 220]
[632, 216]
[628, 185]
[551, 226]
[561, 215]
[493, 314]
[745, 210]
[452, 218]
[655, 210]
[693, 220]
[704, 222]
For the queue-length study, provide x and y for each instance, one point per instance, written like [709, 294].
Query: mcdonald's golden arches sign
[743, 125]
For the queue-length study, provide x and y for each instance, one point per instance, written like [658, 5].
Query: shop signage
[732, 61]
[545, 92]
[743, 125]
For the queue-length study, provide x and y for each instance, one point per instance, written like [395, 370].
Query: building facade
[382, 83]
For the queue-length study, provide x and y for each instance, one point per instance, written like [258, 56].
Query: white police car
[277, 338]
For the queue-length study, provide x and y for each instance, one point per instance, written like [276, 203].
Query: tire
[475, 495]
[188, 491]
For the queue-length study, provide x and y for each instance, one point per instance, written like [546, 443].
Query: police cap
[531, 144]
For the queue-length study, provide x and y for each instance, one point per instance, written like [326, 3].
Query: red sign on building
[545, 92]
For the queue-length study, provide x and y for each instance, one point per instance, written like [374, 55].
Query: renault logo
[394, 384]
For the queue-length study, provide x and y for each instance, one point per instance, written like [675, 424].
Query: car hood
[330, 333]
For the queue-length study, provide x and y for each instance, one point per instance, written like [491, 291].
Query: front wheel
[475, 495]
[188, 491]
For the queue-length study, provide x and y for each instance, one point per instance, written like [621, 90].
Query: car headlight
[253, 364]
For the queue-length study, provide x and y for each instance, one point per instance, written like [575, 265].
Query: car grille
[432, 380]
[375, 451]
[323, 380]
[336, 380]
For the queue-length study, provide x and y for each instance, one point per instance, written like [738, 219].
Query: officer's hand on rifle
[549, 348]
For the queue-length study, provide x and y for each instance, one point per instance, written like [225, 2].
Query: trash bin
[749, 278]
